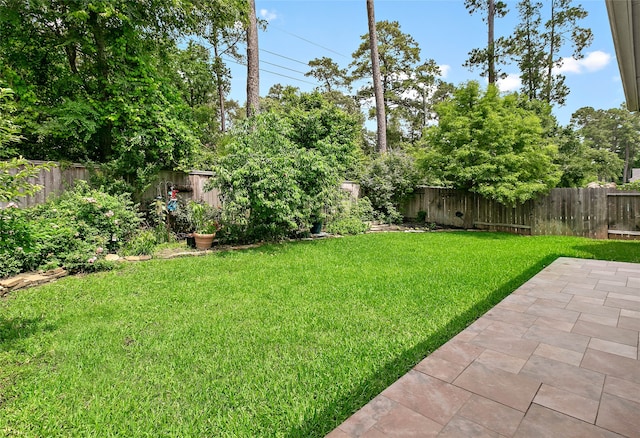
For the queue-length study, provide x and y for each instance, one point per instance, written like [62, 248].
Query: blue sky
[301, 30]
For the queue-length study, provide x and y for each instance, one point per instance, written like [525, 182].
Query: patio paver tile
[622, 388]
[366, 418]
[629, 323]
[513, 390]
[568, 341]
[492, 415]
[503, 361]
[402, 422]
[553, 313]
[554, 324]
[461, 427]
[505, 343]
[630, 313]
[619, 415]
[612, 364]
[510, 316]
[560, 354]
[614, 348]
[583, 382]
[541, 422]
[614, 334]
[566, 402]
[593, 309]
[622, 304]
[428, 396]
[597, 319]
[462, 353]
[585, 292]
[440, 368]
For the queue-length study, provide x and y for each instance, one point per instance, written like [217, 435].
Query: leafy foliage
[407, 85]
[74, 230]
[9, 131]
[490, 145]
[92, 80]
[387, 181]
[282, 168]
[14, 178]
[536, 46]
[496, 52]
[612, 136]
[350, 216]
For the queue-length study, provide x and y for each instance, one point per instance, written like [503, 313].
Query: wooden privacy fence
[598, 213]
[62, 177]
[190, 186]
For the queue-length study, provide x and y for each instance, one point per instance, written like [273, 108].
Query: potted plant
[205, 224]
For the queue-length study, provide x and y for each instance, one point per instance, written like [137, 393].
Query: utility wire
[308, 41]
[283, 67]
[285, 57]
[275, 73]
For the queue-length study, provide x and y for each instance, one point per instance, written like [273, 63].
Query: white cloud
[268, 15]
[594, 61]
[510, 83]
[444, 70]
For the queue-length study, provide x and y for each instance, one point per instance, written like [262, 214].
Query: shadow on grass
[14, 330]
[618, 250]
[324, 421]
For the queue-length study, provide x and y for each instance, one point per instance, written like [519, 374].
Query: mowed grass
[284, 340]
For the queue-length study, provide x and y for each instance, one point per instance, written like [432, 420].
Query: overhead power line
[281, 66]
[308, 41]
[275, 73]
[285, 57]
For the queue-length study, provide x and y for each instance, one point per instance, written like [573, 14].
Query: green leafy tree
[9, 131]
[398, 55]
[612, 131]
[328, 73]
[582, 164]
[92, 84]
[494, 53]
[536, 46]
[410, 87]
[527, 47]
[424, 90]
[283, 166]
[491, 145]
[388, 180]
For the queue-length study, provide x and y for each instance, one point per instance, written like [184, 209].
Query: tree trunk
[552, 50]
[216, 54]
[626, 176]
[253, 63]
[491, 55]
[377, 82]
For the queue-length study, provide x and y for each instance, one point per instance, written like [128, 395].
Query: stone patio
[556, 358]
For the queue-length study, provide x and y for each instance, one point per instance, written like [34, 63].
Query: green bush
[74, 230]
[272, 188]
[350, 216]
[387, 181]
[143, 243]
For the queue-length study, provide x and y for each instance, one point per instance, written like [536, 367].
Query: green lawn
[284, 340]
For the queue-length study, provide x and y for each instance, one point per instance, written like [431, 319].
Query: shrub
[143, 243]
[350, 216]
[272, 188]
[387, 181]
[74, 230]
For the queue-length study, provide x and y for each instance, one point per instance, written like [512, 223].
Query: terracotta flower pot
[204, 241]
